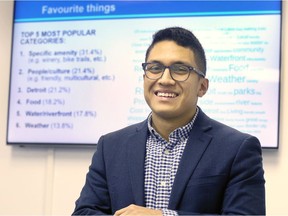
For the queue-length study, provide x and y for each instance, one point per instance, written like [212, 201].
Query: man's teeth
[163, 94]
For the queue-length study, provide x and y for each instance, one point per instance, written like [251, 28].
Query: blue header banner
[37, 11]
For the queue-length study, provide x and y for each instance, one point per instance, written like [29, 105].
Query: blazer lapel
[136, 158]
[196, 145]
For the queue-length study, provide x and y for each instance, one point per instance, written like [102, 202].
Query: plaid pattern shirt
[161, 164]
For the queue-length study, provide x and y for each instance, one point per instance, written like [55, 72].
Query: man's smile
[166, 94]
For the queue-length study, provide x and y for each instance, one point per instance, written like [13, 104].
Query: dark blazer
[220, 172]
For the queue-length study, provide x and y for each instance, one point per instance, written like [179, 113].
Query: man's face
[170, 99]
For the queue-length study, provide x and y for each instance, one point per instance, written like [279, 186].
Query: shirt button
[163, 183]
[166, 151]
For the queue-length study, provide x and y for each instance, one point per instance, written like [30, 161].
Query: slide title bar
[37, 11]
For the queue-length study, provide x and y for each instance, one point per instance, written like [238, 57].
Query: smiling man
[172, 91]
[178, 161]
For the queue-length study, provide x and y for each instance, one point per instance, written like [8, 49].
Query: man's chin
[165, 113]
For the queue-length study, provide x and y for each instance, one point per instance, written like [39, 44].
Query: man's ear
[204, 85]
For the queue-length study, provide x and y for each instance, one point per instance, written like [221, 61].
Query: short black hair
[184, 38]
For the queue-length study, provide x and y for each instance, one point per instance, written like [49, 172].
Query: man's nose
[166, 76]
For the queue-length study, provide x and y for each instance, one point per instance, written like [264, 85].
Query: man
[178, 161]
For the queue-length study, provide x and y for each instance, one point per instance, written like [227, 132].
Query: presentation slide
[76, 66]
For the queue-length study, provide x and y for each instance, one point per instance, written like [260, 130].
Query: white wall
[47, 181]
[34, 181]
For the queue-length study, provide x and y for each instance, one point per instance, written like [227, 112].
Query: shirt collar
[181, 131]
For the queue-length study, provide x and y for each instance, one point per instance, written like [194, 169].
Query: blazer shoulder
[222, 132]
[123, 135]
[131, 129]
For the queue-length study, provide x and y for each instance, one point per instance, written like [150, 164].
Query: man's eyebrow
[155, 61]
[180, 62]
[176, 62]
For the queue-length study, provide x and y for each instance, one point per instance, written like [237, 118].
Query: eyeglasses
[178, 72]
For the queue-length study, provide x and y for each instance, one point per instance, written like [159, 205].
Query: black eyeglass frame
[191, 69]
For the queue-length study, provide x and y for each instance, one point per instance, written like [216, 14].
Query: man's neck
[165, 126]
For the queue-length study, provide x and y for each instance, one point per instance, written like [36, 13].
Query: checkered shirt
[161, 164]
